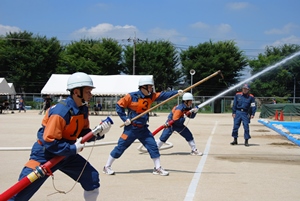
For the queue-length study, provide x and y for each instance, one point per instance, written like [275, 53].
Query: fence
[219, 105]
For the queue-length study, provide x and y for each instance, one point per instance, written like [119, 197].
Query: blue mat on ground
[285, 129]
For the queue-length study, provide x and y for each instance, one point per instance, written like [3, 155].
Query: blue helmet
[246, 86]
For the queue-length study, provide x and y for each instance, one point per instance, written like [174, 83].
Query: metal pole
[192, 72]
[294, 100]
[191, 83]
[133, 59]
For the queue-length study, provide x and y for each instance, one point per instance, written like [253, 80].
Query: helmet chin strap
[146, 88]
[82, 99]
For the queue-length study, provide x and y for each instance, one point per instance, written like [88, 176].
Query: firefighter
[178, 115]
[63, 127]
[136, 103]
[243, 110]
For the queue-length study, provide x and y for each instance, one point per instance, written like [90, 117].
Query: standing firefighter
[178, 115]
[63, 127]
[243, 110]
[137, 103]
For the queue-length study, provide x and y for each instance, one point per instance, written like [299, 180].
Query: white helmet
[146, 81]
[187, 96]
[79, 79]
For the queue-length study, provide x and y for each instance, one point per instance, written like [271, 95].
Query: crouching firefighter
[63, 127]
[176, 118]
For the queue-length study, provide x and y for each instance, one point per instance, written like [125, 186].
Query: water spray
[250, 78]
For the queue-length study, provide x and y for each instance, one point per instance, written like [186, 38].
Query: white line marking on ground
[194, 183]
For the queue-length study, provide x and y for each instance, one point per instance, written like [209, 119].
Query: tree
[280, 81]
[157, 58]
[97, 57]
[27, 60]
[209, 57]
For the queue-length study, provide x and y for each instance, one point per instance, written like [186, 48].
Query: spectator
[46, 104]
[97, 107]
[22, 105]
[6, 105]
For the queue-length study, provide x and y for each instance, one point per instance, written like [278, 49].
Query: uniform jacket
[245, 102]
[137, 103]
[62, 124]
[178, 112]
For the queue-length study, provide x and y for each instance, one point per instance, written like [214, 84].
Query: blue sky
[251, 24]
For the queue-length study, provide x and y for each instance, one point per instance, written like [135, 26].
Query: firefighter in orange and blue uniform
[243, 110]
[177, 116]
[63, 127]
[137, 103]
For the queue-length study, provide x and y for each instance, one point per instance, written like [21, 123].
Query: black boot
[246, 143]
[234, 142]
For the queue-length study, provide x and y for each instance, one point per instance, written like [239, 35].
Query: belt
[137, 125]
[40, 142]
[242, 110]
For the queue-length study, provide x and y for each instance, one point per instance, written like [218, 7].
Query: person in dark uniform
[178, 114]
[136, 103]
[243, 110]
[63, 127]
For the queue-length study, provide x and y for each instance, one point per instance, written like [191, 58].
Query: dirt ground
[267, 170]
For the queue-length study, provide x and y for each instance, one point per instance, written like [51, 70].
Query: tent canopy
[5, 88]
[106, 85]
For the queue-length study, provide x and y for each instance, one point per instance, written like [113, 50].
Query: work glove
[180, 92]
[102, 128]
[105, 128]
[127, 122]
[194, 110]
[79, 145]
[167, 124]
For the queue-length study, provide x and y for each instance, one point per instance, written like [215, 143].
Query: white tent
[12, 87]
[106, 85]
[5, 89]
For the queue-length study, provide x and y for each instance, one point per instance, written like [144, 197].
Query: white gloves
[79, 145]
[105, 127]
[127, 122]
[102, 128]
[194, 110]
[180, 92]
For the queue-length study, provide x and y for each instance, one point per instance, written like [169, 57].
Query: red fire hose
[43, 170]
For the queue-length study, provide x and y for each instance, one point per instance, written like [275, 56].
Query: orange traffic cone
[276, 115]
[281, 118]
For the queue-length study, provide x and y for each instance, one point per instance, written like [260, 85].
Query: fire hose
[165, 125]
[165, 101]
[45, 169]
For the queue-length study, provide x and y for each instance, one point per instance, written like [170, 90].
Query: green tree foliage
[28, 61]
[279, 82]
[97, 57]
[209, 57]
[157, 58]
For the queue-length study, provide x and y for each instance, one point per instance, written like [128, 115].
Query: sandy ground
[267, 170]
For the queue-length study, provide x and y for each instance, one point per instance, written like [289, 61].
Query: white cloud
[289, 40]
[200, 25]
[223, 28]
[220, 31]
[165, 34]
[286, 29]
[238, 5]
[106, 30]
[7, 29]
